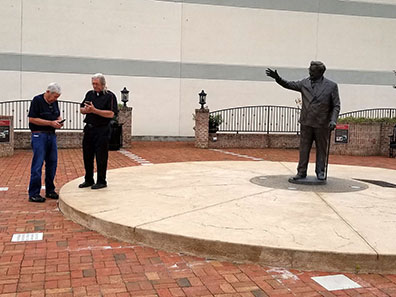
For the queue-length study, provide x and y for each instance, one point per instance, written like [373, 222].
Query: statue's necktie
[313, 84]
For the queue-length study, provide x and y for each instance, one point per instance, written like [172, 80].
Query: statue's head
[316, 70]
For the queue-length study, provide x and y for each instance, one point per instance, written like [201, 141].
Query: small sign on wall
[5, 130]
[341, 133]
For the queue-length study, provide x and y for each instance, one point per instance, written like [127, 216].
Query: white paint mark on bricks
[135, 158]
[42, 188]
[237, 155]
[3, 189]
[281, 273]
[98, 248]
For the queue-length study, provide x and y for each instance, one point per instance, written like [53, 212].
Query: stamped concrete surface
[213, 209]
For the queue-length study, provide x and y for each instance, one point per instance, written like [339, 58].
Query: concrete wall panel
[165, 52]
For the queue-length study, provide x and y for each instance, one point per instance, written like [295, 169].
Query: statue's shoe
[299, 176]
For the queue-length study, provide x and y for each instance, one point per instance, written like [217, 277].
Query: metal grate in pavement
[336, 282]
[27, 237]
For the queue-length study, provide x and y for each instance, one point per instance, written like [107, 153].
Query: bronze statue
[319, 114]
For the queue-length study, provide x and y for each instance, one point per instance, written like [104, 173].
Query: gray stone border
[349, 8]
[164, 69]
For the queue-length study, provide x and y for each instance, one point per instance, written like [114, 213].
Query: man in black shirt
[99, 106]
[44, 118]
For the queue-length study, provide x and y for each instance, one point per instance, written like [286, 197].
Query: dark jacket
[320, 104]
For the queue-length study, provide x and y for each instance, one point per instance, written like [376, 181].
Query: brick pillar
[202, 128]
[386, 131]
[125, 118]
[6, 136]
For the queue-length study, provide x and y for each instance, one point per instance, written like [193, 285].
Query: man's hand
[272, 73]
[89, 108]
[61, 121]
[332, 125]
[55, 124]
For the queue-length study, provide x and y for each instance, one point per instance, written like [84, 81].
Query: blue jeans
[44, 149]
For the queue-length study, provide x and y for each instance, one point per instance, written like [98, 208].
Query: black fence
[279, 119]
[20, 109]
[254, 119]
[373, 113]
[262, 119]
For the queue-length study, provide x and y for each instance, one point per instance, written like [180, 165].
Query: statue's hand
[272, 73]
[332, 125]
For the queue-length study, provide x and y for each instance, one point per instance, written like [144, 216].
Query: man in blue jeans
[44, 118]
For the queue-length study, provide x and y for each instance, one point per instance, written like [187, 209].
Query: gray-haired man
[319, 114]
[99, 106]
[44, 118]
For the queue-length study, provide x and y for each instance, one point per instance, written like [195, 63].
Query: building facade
[166, 51]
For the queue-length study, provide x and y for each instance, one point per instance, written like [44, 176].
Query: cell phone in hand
[61, 122]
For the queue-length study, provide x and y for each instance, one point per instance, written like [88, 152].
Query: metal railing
[372, 113]
[279, 119]
[261, 119]
[20, 109]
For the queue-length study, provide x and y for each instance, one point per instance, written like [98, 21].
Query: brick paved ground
[73, 261]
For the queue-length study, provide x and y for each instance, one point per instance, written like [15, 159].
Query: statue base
[309, 180]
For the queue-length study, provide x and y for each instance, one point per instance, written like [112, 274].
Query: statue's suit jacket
[320, 104]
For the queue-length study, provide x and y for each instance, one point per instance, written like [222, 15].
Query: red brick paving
[166, 152]
[74, 261]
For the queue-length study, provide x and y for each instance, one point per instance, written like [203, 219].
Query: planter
[213, 129]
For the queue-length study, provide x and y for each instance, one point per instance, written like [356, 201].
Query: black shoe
[299, 176]
[320, 176]
[85, 185]
[52, 195]
[36, 198]
[98, 186]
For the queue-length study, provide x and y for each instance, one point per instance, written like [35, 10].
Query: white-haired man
[44, 119]
[99, 106]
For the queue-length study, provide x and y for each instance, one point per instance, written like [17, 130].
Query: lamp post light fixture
[125, 96]
[202, 98]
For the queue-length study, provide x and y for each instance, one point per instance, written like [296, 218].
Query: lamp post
[394, 71]
[125, 96]
[202, 98]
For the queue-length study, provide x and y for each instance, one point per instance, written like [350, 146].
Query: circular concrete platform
[213, 209]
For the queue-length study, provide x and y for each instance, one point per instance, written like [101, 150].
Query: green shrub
[215, 121]
[353, 120]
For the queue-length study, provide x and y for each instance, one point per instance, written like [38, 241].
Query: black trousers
[308, 136]
[96, 144]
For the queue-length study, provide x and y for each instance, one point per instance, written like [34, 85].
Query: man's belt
[93, 126]
[48, 132]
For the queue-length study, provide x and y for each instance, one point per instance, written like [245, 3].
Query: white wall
[167, 31]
